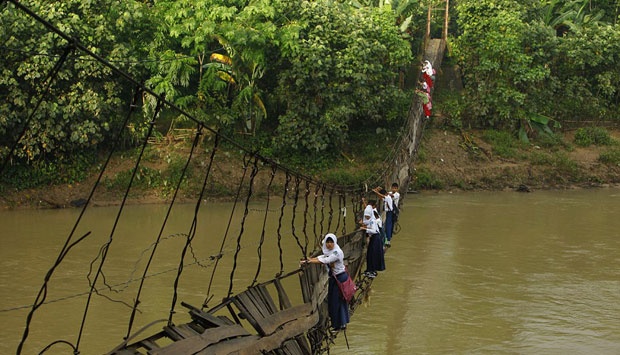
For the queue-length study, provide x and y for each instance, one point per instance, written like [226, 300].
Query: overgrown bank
[492, 160]
[448, 159]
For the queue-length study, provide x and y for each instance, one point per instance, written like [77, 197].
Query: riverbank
[471, 160]
[448, 160]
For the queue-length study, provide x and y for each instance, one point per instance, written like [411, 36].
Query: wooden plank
[305, 287]
[274, 341]
[225, 320]
[267, 299]
[231, 346]
[320, 291]
[199, 342]
[257, 299]
[302, 341]
[187, 330]
[177, 333]
[247, 309]
[353, 255]
[270, 324]
[257, 305]
[172, 334]
[292, 348]
[126, 352]
[149, 345]
[206, 319]
[283, 299]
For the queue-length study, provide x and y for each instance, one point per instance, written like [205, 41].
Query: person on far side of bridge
[333, 258]
[395, 202]
[425, 97]
[428, 74]
[388, 207]
[374, 254]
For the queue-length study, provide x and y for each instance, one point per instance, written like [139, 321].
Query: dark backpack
[395, 213]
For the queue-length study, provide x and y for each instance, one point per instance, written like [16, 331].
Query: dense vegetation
[302, 77]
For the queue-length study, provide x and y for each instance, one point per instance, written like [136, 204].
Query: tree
[228, 40]
[498, 62]
[340, 71]
[84, 100]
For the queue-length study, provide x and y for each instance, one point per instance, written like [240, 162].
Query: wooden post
[446, 20]
[428, 20]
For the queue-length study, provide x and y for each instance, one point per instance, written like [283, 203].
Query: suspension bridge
[285, 313]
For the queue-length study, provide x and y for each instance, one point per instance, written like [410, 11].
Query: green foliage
[555, 59]
[449, 103]
[553, 142]
[564, 164]
[499, 71]
[586, 74]
[536, 125]
[587, 136]
[425, 179]
[42, 173]
[342, 71]
[225, 93]
[611, 156]
[503, 143]
[560, 167]
[82, 106]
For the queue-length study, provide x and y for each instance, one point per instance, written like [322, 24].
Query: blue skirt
[389, 225]
[375, 260]
[336, 306]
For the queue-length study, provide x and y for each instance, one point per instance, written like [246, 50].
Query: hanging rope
[279, 231]
[47, 83]
[232, 212]
[245, 214]
[315, 212]
[118, 216]
[40, 299]
[262, 234]
[296, 201]
[192, 232]
[344, 214]
[322, 210]
[330, 214]
[306, 207]
[161, 230]
[42, 295]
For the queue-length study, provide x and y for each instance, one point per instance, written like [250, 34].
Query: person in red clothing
[425, 97]
[428, 74]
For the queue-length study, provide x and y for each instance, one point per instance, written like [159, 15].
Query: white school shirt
[387, 203]
[395, 197]
[371, 226]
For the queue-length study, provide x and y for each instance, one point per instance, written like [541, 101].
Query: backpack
[395, 213]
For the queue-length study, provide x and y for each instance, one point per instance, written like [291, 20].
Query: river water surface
[469, 273]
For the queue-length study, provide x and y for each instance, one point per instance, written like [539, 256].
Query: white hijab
[372, 221]
[333, 257]
[369, 211]
[428, 68]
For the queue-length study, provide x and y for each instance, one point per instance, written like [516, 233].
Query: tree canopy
[296, 75]
[522, 61]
